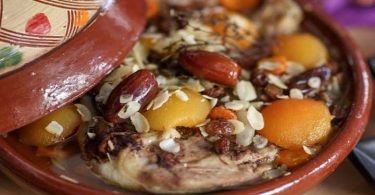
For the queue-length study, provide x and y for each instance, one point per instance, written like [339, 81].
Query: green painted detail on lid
[9, 57]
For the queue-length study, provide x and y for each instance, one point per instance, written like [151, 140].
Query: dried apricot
[235, 28]
[239, 5]
[175, 112]
[292, 123]
[52, 128]
[292, 158]
[303, 48]
[152, 8]
[221, 112]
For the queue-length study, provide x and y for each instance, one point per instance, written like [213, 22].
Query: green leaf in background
[9, 57]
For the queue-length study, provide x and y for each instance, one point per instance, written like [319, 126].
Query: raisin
[272, 91]
[219, 127]
[215, 92]
[259, 78]
[222, 146]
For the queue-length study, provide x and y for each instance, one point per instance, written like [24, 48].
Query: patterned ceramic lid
[52, 51]
[31, 28]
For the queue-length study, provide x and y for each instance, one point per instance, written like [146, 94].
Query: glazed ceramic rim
[298, 181]
[70, 70]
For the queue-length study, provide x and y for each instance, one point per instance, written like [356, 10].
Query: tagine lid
[53, 51]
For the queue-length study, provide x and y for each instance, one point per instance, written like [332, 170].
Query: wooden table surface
[345, 180]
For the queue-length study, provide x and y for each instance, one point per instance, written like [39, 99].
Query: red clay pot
[20, 162]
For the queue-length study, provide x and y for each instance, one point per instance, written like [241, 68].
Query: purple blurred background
[353, 13]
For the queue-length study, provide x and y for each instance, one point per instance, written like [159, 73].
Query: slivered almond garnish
[181, 95]
[245, 137]
[170, 134]
[68, 179]
[91, 135]
[245, 91]
[276, 81]
[237, 105]
[194, 85]
[129, 109]
[310, 150]
[54, 128]
[259, 141]
[314, 82]
[140, 122]
[238, 126]
[283, 97]
[110, 145]
[255, 118]
[169, 145]
[160, 99]
[296, 93]
[126, 98]
[213, 101]
[85, 113]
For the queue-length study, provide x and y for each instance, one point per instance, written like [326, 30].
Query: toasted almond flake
[237, 105]
[314, 82]
[260, 141]
[276, 81]
[181, 95]
[104, 92]
[238, 126]
[204, 123]
[121, 72]
[283, 97]
[310, 150]
[194, 85]
[268, 65]
[203, 132]
[255, 118]
[170, 134]
[54, 128]
[85, 113]
[213, 102]
[169, 145]
[208, 97]
[160, 99]
[126, 98]
[245, 91]
[91, 135]
[149, 106]
[225, 98]
[295, 68]
[296, 93]
[68, 179]
[258, 105]
[129, 109]
[140, 122]
[273, 173]
[110, 145]
[245, 137]
[207, 84]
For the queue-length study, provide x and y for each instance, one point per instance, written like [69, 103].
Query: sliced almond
[238, 126]
[245, 91]
[160, 99]
[170, 134]
[237, 105]
[296, 93]
[310, 150]
[314, 82]
[85, 113]
[194, 85]
[259, 142]
[140, 122]
[245, 137]
[54, 128]
[255, 118]
[129, 109]
[169, 145]
[276, 81]
[181, 95]
[126, 98]
[91, 135]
